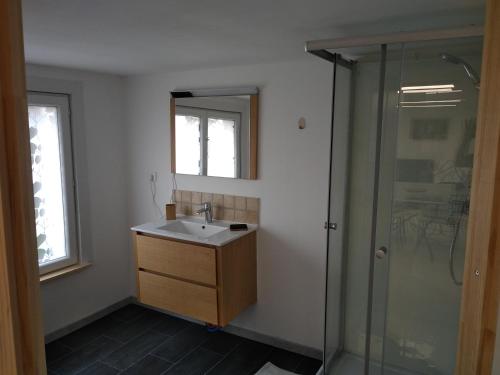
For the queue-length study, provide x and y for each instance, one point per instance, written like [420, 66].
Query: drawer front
[182, 297]
[177, 259]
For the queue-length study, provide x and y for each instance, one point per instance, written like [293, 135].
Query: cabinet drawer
[182, 297]
[178, 259]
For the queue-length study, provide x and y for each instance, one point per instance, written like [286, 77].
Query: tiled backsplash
[224, 207]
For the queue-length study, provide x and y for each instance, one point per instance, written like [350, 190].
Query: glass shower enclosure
[402, 145]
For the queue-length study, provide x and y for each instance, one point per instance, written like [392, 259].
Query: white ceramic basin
[199, 230]
[194, 229]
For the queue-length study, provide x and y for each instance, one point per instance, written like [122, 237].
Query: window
[53, 181]
[207, 142]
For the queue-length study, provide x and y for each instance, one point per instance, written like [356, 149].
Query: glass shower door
[352, 179]
[424, 186]
[334, 316]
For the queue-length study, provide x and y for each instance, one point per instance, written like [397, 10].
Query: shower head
[468, 69]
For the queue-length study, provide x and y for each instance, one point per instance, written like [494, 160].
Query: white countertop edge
[218, 239]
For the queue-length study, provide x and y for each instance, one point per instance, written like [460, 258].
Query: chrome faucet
[207, 209]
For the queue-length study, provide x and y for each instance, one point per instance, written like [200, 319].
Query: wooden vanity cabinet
[211, 284]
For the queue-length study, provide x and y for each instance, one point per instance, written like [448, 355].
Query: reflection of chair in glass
[402, 216]
[441, 218]
[438, 219]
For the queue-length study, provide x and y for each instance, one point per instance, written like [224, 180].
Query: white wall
[292, 184]
[100, 144]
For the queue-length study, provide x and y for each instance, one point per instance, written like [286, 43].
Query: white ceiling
[141, 36]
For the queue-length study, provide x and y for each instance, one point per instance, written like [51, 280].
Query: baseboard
[274, 341]
[238, 331]
[87, 320]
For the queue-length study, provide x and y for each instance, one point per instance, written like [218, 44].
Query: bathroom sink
[194, 229]
[199, 230]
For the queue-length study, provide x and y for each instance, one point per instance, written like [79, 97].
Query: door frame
[481, 288]
[22, 350]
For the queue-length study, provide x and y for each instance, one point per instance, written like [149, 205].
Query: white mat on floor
[270, 369]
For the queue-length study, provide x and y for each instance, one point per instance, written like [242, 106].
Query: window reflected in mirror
[215, 136]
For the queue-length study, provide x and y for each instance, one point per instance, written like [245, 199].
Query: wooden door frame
[22, 350]
[481, 288]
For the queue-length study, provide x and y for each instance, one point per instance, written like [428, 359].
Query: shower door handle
[381, 252]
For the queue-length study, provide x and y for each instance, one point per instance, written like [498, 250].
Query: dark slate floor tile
[90, 332]
[179, 345]
[233, 366]
[246, 358]
[85, 356]
[128, 313]
[56, 350]
[309, 366]
[99, 368]
[137, 340]
[251, 351]
[153, 314]
[285, 360]
[149, 365]
[130, 330]
[222, 342]
[134, 350]
[170, 325]
[196, 363]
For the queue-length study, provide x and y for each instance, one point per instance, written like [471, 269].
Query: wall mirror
[214, 132]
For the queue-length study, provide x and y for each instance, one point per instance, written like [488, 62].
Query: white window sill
[63, 272]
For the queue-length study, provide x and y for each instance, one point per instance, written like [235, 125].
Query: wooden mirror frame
[254, 136]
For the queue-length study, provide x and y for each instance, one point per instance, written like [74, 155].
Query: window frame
[63, 104]
[204, 114]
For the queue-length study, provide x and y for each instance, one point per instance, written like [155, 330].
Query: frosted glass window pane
[221, 148]
[187, 144]
[48, 180]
